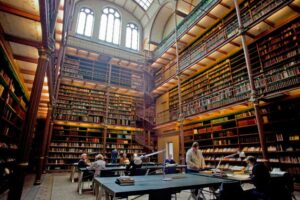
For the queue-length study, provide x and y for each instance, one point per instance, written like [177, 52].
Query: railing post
[253, 97]
[180, 118]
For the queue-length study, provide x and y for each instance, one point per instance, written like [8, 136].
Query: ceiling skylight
[144, 3]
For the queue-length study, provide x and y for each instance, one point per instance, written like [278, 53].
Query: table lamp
[139, 159]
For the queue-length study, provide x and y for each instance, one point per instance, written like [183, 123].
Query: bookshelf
[81, 104]
[13, 105]
[96, 119]
[70, 140]
[227, 82]
[227, 134]
[283, 121]
[90, 70]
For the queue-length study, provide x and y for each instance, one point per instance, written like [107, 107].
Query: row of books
[4, 145]
[74, 144]
[73, 150]
[68, 117]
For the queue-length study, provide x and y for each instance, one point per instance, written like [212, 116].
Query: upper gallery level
[220, 37]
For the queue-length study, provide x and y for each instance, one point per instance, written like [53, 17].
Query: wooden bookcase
[238, 131]
[274, 68]
[85, 69]
[95, 119]
[70, 140]
[13, 103]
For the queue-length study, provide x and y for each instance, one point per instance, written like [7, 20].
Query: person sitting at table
[123, 159]
[134, 164]
[170, 160]
[194, 159]
[83, 162]
[98, 165]
[260, 177]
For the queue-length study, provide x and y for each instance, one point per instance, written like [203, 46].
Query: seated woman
[98, 165]
[124, 160]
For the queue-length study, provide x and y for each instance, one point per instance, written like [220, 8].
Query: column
[43, 148]
[181, 117]
[31, 115]
[47, 146]
[253, 97]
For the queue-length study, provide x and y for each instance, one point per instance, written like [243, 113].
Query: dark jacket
[131, 168]
[260, 176]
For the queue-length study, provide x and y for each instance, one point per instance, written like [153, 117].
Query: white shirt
[194, 159]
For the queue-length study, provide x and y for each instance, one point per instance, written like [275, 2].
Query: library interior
[150, 99]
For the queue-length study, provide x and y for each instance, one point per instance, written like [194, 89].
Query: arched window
[110, 25]
[132, 36]
[85, 22]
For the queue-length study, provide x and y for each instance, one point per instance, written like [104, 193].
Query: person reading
[83, 162]
[98, 165]
[260, 177]
[170, 160]
[194, 159]
[124, 160]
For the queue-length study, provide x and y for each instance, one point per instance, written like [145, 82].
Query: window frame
[142, 4]
[138, 36]
[84, 29]
[106, 29]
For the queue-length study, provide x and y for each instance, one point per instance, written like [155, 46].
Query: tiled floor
[59, 187]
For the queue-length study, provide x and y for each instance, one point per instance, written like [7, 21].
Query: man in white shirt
[194, 159]
[195, 162]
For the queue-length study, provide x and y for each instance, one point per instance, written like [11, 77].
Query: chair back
[231, 191]
[139, 172]
[278, 190]
[106, 173]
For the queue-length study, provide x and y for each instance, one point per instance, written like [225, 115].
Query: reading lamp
[241, 155]
[138, 160]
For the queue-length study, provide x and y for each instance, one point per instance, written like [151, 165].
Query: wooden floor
[58, 187]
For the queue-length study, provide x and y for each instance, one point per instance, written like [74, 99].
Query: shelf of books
[81, 104]
[12, 111]
[227, 81]
[70, 140]
[90, 70]
[252, 12]
[238, 131]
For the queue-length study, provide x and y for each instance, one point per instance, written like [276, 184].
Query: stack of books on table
[125, 180]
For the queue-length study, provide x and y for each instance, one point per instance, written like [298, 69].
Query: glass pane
[128, 37]
[110, 27]
[103, 24]
[134, 39]
[116, 31]
[89, 25]
[81, 23]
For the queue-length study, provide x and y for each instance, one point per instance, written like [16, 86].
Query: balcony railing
[285, 77]
[198, 12]
[217, 37]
